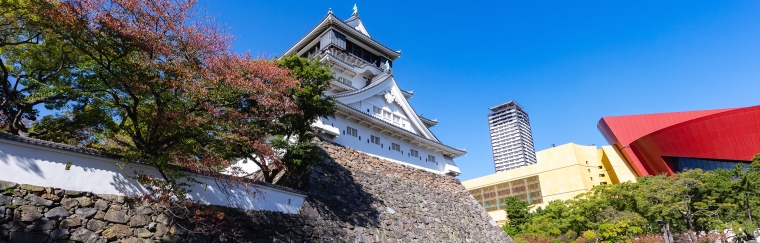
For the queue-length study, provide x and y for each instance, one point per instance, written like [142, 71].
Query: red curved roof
[725, 134]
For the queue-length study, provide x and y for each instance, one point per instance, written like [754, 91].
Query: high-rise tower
[511, 138]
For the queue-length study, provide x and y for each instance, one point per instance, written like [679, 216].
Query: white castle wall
[45, 166]
[362, 143]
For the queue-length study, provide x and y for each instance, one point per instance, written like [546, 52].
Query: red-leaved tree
[166, 88]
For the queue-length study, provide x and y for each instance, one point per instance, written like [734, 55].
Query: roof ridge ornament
[329, 11]
[356, 10]
[387, 66]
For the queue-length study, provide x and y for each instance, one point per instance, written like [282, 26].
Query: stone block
[133, 240]
[69, 203]
[26, 214]
[86, 213]
[25, 237]
[161, 229]
[116, 216]
[42, 225]
[84, 201]
[51, 197]
[13, 226]
[117, 231]
[96, 225]
[6, 200]
[139, 220]
[143, 233]
[72, 222]
[83, 235]
[32, 188]
[18, 201]
[58, 233]
[36, 200]
[143, 210]
[57, 213]
[178, 230]
[162, 219]
[72, 193]
[99, 215]
[7, 185]
[101, 204]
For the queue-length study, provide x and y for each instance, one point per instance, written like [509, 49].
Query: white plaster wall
[378, 101]
[44, 166]
[363, 145]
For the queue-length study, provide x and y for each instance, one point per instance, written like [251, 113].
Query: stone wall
[353, 197]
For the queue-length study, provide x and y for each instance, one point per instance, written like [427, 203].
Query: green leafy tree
[518, 213]
[35, 70]
[550, 221]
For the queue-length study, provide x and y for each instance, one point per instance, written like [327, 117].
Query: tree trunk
[666, 231]
[749, 209]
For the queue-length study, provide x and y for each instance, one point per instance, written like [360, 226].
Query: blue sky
[569, 63]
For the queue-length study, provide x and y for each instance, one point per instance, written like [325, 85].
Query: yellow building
[561, 173]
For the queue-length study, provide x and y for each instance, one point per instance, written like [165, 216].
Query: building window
[415, 153]
[351, 131]
[601, 175]
[592, 178]
[600, 167]
[395, 146]
[376, 109]
[375, 140]
[431, 158]
[603, 183]
[589, 170]
[386, 115]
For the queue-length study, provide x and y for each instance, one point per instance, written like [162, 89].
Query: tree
[293, 134]
[518, 213]
[747, 187]
[170, 89]
[35, 70]
[550, 221]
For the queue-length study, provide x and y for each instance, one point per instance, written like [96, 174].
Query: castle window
[351, 131]
[376, 109]
[415, 153]
[431, 158]
[375, 140]
[395, 146]
[601, 175]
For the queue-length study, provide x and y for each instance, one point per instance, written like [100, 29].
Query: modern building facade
[666, 143]
[373, 113]
[561, 173]
[511, 137]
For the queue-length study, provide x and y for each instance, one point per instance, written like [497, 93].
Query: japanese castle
[373, 114]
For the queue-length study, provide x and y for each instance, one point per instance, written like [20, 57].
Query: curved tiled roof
[334, 20]
[49, 144]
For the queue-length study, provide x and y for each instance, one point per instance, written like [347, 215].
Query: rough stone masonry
[352, 197]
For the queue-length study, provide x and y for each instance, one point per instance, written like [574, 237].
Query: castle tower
[373, 114]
